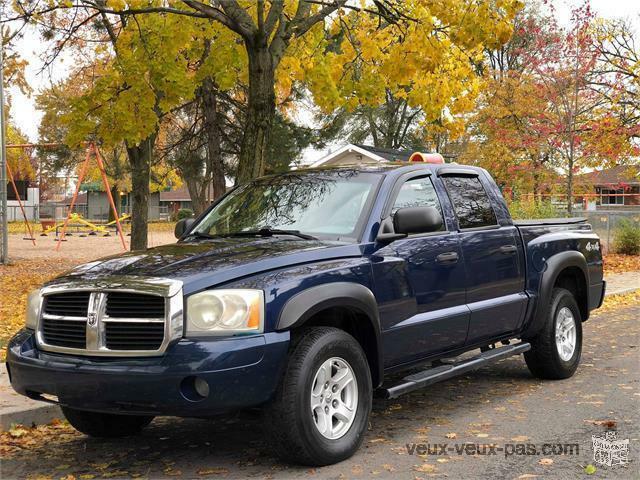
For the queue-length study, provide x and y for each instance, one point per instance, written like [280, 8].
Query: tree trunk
[261, 109]
[197, 192]
[536, 177]
[140, 163]
[115, 194]
[215, 165]
[570, 189]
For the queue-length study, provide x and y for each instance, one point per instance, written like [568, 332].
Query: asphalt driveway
[535, 428]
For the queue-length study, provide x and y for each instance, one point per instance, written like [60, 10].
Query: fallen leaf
[212, 471]
[589, 469]
[425, 468]
[451, 435]
[377, 440]
[545, 461]
[17, 431]
[618, 263]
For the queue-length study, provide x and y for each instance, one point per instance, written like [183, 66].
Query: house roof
[629, 174]
[81, 200]
[389, 154]
[178, 195]
[369, 153]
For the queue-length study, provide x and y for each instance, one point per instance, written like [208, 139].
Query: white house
[30, 202]
[352, 154]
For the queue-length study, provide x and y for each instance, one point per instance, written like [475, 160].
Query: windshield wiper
[202, 235]
[269, 232]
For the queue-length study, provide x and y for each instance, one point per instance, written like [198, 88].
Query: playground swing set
[72, 219]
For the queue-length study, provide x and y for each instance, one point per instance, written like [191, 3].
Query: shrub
[182, 213]
[529, 208]
[626, 238]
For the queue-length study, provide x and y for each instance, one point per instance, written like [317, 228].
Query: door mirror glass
[182, 226]
[417, 220]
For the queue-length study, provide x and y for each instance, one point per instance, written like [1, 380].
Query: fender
[552, 269]
[305, 304]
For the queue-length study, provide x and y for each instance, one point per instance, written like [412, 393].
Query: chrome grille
[64, 320]
[65, 333]
[134, 321]
[134, 305]
[72, 304]
[117, 317]
[134, 335]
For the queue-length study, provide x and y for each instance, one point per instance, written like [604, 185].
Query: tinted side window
[417, 192]
[470, 201]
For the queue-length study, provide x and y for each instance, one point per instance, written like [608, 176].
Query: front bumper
[241, 372]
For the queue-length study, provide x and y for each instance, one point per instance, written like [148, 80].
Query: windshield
[325, 205]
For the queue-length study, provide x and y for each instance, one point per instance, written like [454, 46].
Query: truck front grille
[72, 304]
[134, 305]
[104, 322]
[134, 335]
[65, 333]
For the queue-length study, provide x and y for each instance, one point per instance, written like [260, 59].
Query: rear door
[493, 257]
[421, 285]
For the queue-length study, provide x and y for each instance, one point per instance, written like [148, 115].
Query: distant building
[352, 154]
[30, 198]
[175, 200]
[615, 187]
[94, 205]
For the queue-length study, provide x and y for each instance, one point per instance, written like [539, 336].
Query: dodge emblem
[92, 319]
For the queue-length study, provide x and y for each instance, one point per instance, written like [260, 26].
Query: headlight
[33, 309]
[225, 312]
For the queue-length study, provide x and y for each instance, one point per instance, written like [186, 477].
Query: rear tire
[556, 349]
[105, 425]
[321, 409]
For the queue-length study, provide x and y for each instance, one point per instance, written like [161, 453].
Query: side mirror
[182, 226]
[386, 234]
[417, 220]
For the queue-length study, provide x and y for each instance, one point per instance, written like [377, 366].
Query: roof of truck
[398, 167]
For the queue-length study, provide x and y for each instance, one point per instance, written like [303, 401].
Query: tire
[105, 425]
[290, 419]
[545, 359]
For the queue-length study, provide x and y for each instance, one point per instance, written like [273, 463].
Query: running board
[444, 372]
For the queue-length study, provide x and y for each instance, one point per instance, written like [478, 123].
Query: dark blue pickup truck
[301, 294]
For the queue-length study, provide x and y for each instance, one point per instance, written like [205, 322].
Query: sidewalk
[621, 283]
[17, 409]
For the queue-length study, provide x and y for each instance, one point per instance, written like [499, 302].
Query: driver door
[421, 284]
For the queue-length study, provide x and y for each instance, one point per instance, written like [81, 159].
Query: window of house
[610, 196]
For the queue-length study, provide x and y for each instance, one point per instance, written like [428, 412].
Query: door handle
[508, 249]
[447, 258]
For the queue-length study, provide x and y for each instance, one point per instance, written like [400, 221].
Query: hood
[207, 263]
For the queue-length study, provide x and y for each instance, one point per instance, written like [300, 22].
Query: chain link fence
[605, 223]
[58, 212]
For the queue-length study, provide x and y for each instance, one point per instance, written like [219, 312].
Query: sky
[31, 47]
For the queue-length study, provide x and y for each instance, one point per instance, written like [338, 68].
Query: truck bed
[532, 222]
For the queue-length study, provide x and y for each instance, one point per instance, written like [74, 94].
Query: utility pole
[4, 239]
